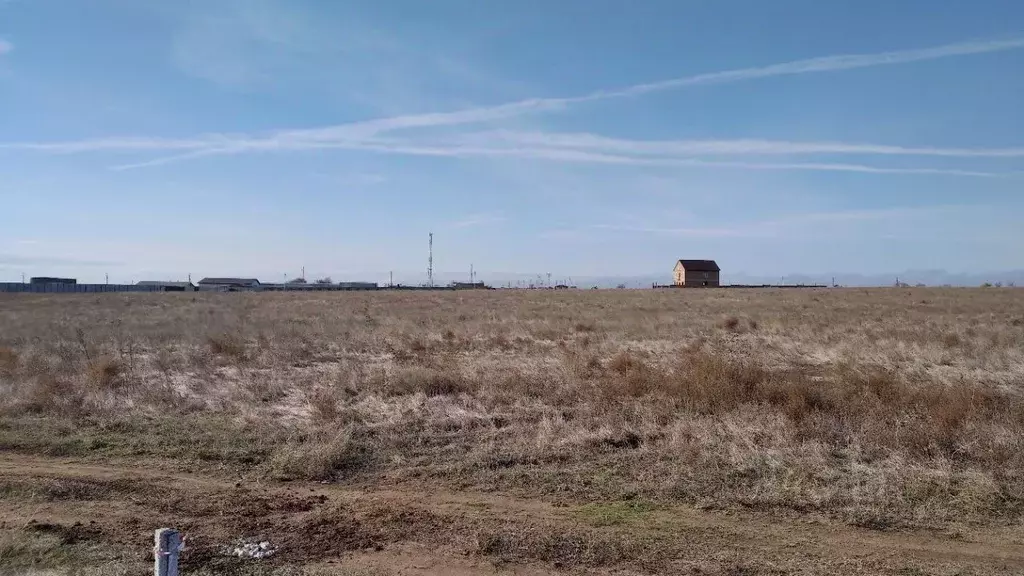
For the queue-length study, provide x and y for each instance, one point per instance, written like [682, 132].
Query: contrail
[737, 147]
[360, 135]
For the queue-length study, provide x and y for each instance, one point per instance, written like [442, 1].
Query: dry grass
[883, 407]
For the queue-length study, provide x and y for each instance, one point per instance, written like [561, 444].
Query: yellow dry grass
[882, 407]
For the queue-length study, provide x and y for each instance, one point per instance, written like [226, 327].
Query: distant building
[51, 280]
[469, 285]
[700, 273]
[162, 286]
[228, 284]
[355, 285]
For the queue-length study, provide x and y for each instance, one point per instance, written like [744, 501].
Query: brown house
[700, 273]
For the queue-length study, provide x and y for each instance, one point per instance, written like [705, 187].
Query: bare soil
[420, 529]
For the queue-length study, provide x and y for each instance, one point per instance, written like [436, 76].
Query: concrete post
[168, 544]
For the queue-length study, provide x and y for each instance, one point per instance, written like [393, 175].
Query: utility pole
[471, 274]
[430, 261]
[106, 278]
[391, 279]
[304, 274]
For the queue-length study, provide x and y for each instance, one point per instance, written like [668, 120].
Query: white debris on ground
[251, 549]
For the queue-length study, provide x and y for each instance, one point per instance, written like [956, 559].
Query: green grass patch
[615, 513]
[218, 439]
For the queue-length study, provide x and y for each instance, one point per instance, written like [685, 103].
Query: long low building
[229, 284]
[320, 287]
[168, 286]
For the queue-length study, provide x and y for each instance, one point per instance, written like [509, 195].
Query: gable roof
[700, 265]
[231, 281]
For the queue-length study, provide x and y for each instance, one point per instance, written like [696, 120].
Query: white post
[165, 553]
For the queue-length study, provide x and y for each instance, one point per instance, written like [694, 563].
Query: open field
[736, 432]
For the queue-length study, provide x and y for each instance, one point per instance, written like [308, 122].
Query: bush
[428, 381]
[8, 361]
[227, 344]
[326, 455]
[105, 373]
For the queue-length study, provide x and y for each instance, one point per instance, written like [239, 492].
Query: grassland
[539, 431]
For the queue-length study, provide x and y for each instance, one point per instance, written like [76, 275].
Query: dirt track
[428, 530]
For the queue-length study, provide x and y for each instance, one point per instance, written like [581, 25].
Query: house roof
[700, 265]
[162, 283]
[230, 281]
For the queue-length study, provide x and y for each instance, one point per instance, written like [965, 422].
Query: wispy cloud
[474, 220]
[739, 147]
[704, 232]
[777, 227]
[806, 66]
[20, 260]
[818, 65]
[568, 155]
[493, 143]
[5, 47]
[574, 148]
[369, 135]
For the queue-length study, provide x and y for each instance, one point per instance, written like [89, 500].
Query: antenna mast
[430, 261]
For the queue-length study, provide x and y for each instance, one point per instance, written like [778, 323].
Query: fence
[51, 288]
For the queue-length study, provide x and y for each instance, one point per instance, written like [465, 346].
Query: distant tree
[325, 280]
[920, 285]
[986, 285]
[998, 284]
[621, 286]
[297, 281]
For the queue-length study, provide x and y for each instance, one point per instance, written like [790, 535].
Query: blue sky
[150, 139]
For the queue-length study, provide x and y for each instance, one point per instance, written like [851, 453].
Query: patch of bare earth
[323, 526]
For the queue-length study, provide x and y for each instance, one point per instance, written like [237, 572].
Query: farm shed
[162, 286]
[228, 284]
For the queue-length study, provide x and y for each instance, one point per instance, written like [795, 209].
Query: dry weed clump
[428, 381]
[8, 361]
[229, 345]
[105, 373]
[326, 454]
[324, 407]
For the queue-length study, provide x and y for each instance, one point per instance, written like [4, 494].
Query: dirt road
[425, 529]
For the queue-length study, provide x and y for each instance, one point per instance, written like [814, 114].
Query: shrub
[732, 324]
[428, 381]
[227, 344]
[322, 456]
[324, 407]
[105, 373]
[8, 361]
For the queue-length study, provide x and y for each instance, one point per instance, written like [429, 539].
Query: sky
[143, 139]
